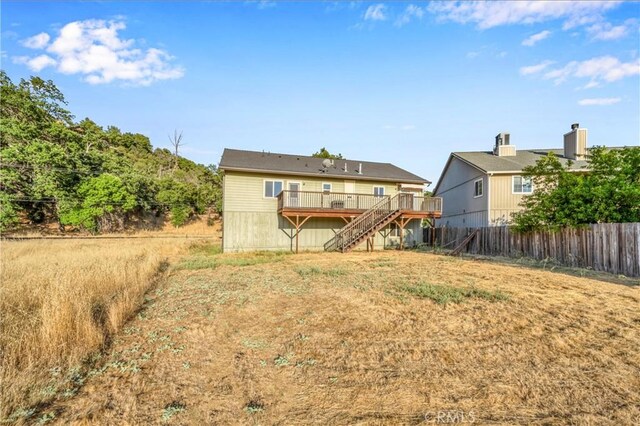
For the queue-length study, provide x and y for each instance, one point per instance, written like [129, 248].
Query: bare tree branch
[176, 142]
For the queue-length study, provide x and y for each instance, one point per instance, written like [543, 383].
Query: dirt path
[345, 339]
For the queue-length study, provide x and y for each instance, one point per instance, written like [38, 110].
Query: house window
[522, 185]
[378, 191]
[326, 187]
[477, 188]
[272, 188]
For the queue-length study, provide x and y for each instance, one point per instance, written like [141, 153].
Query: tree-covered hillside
[80, 175]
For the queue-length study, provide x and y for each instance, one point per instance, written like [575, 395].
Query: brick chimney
[575, 143]
[503, 148]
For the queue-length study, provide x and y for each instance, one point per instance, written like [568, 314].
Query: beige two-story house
[484, 188]
[277, 201]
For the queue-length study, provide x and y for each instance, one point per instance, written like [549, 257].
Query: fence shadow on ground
[606, 247]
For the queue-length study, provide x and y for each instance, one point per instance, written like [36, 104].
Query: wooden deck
[300, 206]
[348, 205]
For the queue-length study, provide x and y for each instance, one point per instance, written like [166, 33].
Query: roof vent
[345, 168]
[360, 168]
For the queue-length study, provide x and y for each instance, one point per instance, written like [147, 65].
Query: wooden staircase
[367, 224]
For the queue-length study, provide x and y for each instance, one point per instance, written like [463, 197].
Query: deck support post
[370, 243]
[298, 225]
[402, 222]
[297, 232]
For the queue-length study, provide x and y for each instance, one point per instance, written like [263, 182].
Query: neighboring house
[484, 188]
[277, 201]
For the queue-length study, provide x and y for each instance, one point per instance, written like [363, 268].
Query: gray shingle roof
[254, 161]
[488, 162]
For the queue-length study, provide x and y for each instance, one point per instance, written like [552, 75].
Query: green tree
[8, 214]
[56, 170]
[323, 153]
[606, 190]
[103, 201]
[178, 198]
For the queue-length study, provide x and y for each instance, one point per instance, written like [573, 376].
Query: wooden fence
[609, 247]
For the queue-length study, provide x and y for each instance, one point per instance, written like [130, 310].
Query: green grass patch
[254, 344]
[209, 249]
[384, 264]
[281, 360]
[200, 261]
[172, 409]
[444, 294]
[307, 271]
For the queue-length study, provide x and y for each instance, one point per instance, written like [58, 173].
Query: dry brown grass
[342, 339]
[60, 302]
[197, 226]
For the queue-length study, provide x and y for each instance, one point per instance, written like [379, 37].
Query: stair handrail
[363, 222]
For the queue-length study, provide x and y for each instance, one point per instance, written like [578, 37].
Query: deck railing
[326, 200]
[312, 200]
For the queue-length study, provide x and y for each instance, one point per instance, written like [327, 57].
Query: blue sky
[380, 81]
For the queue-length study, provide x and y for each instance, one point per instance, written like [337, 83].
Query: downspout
[489, 198]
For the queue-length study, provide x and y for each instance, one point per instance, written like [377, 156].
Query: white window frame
[264, 188]
[481, 180]
[513, 184]
[330, 187]
[379, 187]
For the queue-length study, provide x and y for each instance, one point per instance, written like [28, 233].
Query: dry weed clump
[61, 301]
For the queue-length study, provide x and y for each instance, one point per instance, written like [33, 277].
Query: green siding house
[291, 202]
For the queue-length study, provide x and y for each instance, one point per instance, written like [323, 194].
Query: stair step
[372, 222]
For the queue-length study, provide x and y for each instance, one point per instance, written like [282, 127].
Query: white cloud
[266, 4]
[603, 69]
[375, 12]
[341, 5]
[598, 101]
[606, 31]
[472, 55]
[591, 85]
[412, 11]
[9, 35]
[533, 39]
[534, 69]
[94, 49]
[488, 14]
[38, 41]
[37, 63]
[261, 4]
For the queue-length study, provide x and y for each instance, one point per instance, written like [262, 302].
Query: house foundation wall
[252, 231]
